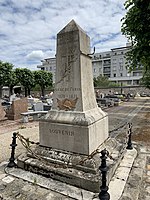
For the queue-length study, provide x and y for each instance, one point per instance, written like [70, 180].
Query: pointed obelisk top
[71, 26]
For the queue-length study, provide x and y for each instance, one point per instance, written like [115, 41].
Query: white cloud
[29, 27]
[35, 55]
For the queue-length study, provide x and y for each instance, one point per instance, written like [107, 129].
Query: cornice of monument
[71, 26]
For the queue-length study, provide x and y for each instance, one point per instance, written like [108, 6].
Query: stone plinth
[74, 169]
[78, 132]
[75, 123]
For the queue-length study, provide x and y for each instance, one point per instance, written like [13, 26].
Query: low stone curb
[118, 181]
[133, 185]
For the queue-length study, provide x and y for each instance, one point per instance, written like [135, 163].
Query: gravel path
[29, 130]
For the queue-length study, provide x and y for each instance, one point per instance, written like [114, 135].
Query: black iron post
[129, 144]
[104, 195]
[12, 158]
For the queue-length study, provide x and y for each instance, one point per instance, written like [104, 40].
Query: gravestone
[17, 107]
[2, 112]
[38, 106]
[75, 123]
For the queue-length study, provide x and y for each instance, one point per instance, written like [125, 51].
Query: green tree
[136, 27]
[5, 75]
[146, 79]
[25, 78]
[101, 81]
[43, 79]
[12, 81]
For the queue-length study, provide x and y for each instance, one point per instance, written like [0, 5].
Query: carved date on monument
[67, 104]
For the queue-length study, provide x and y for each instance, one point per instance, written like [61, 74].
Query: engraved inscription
[46, 173]
[61, 132]
[70, 96]
[68, 89]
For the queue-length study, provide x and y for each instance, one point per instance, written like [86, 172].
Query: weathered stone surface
[78, 170]
[17, 107]
[75, 123]
[2, 112]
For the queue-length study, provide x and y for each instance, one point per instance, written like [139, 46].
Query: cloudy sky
[28, 28]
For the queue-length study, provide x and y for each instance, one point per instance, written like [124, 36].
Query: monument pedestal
[72, 168]
[74, 131]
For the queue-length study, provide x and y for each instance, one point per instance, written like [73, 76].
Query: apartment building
[110, 63]
[101, 63]
[113, 65]
[119, 71]
[49, 64]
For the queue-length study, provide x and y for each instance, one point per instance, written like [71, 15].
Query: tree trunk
[1, 91]
[43, 91]
[29, 91]
[26, 92]
[11, 89]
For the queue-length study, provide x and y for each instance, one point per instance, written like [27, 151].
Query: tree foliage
[43, 79]
[103, 81]
[12, 81]
[5, 74]
[25, 78]
[136, 27]
[146, 79]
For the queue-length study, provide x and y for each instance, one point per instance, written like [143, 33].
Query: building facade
[113, 65]
[110, 63]
[49, 64]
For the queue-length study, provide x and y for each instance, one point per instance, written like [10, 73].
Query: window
[94, 70]
[114, 61]
[129, 82]
[121, 60]
[121, 52]
[121, 67]
[114, 68]
[114, 75]
[120, 74]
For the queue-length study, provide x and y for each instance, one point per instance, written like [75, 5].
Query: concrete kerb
[117, 184]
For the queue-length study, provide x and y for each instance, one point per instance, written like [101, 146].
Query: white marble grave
[75, 123]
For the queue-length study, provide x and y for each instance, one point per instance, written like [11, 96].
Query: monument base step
[74, 169]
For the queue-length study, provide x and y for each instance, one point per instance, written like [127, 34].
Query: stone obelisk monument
[75, 124]
[75, 127]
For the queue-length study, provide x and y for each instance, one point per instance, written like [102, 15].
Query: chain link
[27, 144]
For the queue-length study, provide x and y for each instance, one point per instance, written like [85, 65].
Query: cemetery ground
[136, 111]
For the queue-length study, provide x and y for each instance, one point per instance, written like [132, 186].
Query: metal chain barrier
[27, 144]
[121, 126]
